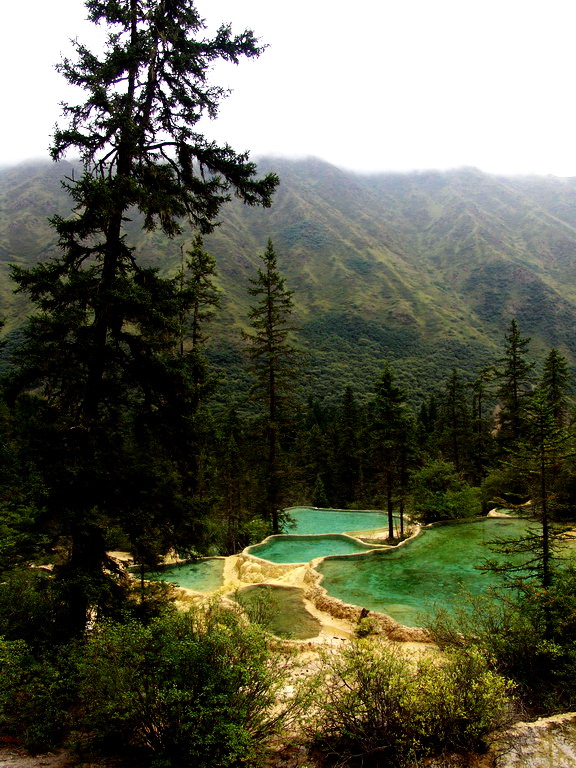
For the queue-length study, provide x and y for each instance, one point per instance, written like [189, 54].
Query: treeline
[464, 450]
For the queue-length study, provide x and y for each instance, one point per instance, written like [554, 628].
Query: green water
[202, 575]
[280, 610]
[312, 521]
[302, 549]
[408, 581]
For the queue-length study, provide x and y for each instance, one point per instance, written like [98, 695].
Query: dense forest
[116, 437]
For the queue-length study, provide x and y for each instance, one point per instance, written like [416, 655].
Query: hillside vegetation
[425, 269]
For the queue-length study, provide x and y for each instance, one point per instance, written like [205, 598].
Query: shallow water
[302, 549]
[279, 609]
[202, 575]
[408, 581]
[313, 521]
[405, 582]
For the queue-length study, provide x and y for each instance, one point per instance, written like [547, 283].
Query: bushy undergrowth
[187, 689]
[37, 694]
[198, 688]
[530, 638]
[439, 493]
[383, 710]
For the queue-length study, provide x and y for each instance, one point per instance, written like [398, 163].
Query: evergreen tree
[118, 403]
[388, 434]
[197, 277]
[546, 444]
[453, 422]
[482, 424]
[514, 372]
[273, 360]
[346, 463]
[231, 466]
[555, 384]
[319, 498]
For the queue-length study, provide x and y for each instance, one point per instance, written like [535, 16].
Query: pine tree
[345, 450]
[388, 432]
[514, 372]
[555, 384]
[453, 422]
[197, 277]
[482, 423]
[119, 404]
[273, 358]
[545, 444]
[319, 498]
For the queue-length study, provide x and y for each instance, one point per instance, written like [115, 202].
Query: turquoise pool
[431, 570]
[314, 521]
[302, 549]
[202, 575]
[405, 582]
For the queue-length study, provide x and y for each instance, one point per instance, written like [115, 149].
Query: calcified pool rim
[362, 547]
[247, 568]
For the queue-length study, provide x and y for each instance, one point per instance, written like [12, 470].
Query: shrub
[439, 493]
[382, 709]
[31, 608]
[367, 625]
[36, 695]
[530, 638]
[187, 689]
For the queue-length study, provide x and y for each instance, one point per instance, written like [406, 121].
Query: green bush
[530, 638]
[439, 493]
[31, 608]
[187, 689]
[36, 695]
[381, 709]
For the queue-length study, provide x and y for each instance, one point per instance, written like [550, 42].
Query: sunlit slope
[425, 269]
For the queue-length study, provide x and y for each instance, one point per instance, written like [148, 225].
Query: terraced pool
[202, 575]
[404, 582]
[302, 549]
[408, 582]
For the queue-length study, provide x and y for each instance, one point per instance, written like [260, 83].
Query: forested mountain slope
[423, 269]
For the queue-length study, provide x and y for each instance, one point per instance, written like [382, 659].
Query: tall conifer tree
[389, 435]
[555, 385]
[514, 372]
[273, 359]
[118, 399]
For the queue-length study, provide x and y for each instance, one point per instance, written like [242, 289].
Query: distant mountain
[423, 269]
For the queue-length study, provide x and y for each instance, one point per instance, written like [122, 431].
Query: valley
[424, 270]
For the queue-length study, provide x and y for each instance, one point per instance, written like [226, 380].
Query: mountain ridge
[424, 269]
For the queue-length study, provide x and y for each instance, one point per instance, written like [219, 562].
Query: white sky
[369, 85]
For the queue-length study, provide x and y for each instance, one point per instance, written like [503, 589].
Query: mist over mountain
[422, 269]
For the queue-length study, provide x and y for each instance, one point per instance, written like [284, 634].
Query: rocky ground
[11, 756]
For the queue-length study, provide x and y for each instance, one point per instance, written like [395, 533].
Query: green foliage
[32, 609]
[188, 689]
[279, 610]
[36, 694]
[439, 493]
[273, 359]
[365, 627]
[197, 277]
[530, 638]
[319, 498]
[555, 384]
[382, 709]
[515, 375]
[103, 358]
[389, 436]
